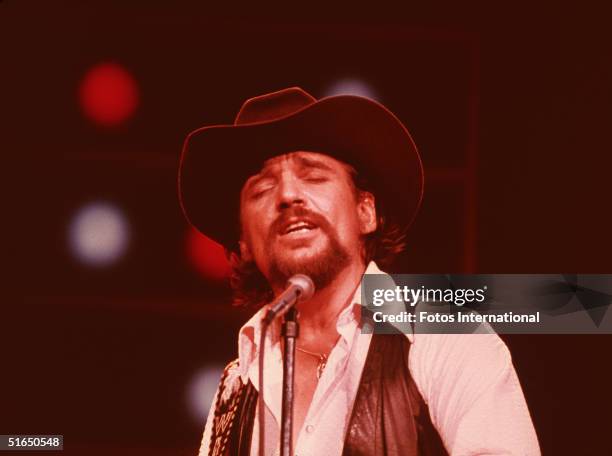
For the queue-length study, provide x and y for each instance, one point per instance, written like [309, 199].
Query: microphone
[299, 288]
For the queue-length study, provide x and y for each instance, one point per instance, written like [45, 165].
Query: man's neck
[318, 316]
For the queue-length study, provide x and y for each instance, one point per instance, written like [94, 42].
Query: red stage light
[207, 256]
[108, 94]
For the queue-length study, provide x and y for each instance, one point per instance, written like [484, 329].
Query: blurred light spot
[351, 87]
[108, 94]
[207, 256]
[201, 391]
[98, 234]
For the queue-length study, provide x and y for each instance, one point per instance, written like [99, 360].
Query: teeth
[298, 226]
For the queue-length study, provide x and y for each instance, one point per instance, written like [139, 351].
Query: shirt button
[309, 428]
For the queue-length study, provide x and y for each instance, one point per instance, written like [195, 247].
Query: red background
[510, 110]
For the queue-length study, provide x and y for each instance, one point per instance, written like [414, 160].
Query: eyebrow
[303, 161]
[253, 180]
[316, 164]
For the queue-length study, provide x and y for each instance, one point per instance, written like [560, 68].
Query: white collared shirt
[467, 380]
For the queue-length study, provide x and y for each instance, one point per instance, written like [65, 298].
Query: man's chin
[299, 258]
[321, 258]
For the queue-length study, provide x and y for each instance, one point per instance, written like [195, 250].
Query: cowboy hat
[217, 160]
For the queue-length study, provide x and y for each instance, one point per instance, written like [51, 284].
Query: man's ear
[245, 251]
[366, 211]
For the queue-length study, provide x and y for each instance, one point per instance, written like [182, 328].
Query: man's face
[301, 214]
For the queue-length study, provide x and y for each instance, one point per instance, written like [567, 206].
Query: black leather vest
[389, 415]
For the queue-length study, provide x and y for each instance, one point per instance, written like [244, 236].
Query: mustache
[301, 213]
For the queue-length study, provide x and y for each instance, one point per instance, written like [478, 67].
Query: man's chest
[306, 383]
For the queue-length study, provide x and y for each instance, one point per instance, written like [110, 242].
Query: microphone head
[305, 284]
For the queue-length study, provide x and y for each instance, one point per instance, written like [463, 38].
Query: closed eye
[260, 189]
[315, 177]
[258, 193]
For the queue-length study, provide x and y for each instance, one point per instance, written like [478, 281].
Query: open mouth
[297, 226]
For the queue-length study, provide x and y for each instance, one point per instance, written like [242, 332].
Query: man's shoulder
[232, 366]
[453, 361]
[231, 381]
[231, 371]
[470, 344]
[482, 347]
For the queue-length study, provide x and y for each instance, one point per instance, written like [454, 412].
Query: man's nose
[289, 192]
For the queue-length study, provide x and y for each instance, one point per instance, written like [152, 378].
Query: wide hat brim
[217, 160]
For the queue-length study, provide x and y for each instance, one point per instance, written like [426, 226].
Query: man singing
[328, 188]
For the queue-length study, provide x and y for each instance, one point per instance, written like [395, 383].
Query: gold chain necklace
[322, 360]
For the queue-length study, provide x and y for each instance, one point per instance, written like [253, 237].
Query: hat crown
[273, 105]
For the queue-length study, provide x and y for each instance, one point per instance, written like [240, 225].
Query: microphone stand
[299, 288]
[290, 331]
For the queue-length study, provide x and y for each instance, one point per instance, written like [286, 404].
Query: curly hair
[250, 287]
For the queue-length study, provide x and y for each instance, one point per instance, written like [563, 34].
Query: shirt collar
[249, 335]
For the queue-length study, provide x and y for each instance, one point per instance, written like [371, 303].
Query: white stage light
[98, 234]
[201, 391]
[350, 86]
